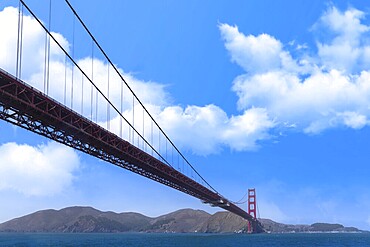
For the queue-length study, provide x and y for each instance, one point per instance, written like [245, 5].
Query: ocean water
[180, 240]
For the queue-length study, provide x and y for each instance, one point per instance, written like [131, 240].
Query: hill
[88, 219]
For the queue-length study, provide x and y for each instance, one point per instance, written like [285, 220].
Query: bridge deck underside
[29, 108]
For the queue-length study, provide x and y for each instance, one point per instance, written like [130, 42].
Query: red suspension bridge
[60, 109]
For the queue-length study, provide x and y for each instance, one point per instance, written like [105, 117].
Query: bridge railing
[56, 53]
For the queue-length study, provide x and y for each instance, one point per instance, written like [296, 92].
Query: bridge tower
[252, 208]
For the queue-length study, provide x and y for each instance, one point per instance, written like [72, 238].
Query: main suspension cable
[77, 66]
[108, 59]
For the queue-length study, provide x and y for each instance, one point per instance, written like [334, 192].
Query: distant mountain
[274, 227]
[224, 222]
[77, 219]
[88, 219]
[185, 220]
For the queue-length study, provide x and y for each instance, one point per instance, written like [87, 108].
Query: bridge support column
[252, 208]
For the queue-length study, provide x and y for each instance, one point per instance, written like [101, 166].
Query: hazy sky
[273, 95]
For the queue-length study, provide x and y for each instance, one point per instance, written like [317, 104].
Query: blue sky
[270, 94]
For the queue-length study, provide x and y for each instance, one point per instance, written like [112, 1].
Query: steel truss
[25, 106]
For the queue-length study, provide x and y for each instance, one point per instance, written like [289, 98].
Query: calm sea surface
[179, 240]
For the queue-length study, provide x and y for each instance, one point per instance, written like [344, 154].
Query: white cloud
[202, 130]
[33, 50]
[346, 24]
[325, 98]
[346, 50]
[311, 92]
[255, 54]
[200, 127]
[354, 119]
[37, 171]
[244, 131]
[213, 129]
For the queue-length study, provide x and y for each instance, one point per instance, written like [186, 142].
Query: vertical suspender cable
[45, 60]
[82, 94]
[138, 136]
[108, 108]
[92, 79]
[65, 79]
[73, 56]
[18, 39]
[21, 46]
[133, 119]
[159, 141]
[120, 119]
[144, 147]
[151, 135]
[48, 60]
[96, 106]
[129, 133]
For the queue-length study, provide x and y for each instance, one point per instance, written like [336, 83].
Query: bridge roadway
[27, 107]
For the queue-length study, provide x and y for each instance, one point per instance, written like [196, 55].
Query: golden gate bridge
[59, 108]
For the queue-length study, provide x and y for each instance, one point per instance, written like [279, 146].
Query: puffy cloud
[200, 127]
[310, 92]
[255, 54]
[354, 119]
[323, 97]
[33, 50]
[202, 130]
[37, 171]
[244, 131]
[207, 129]
[346, 25]
[347, 49]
